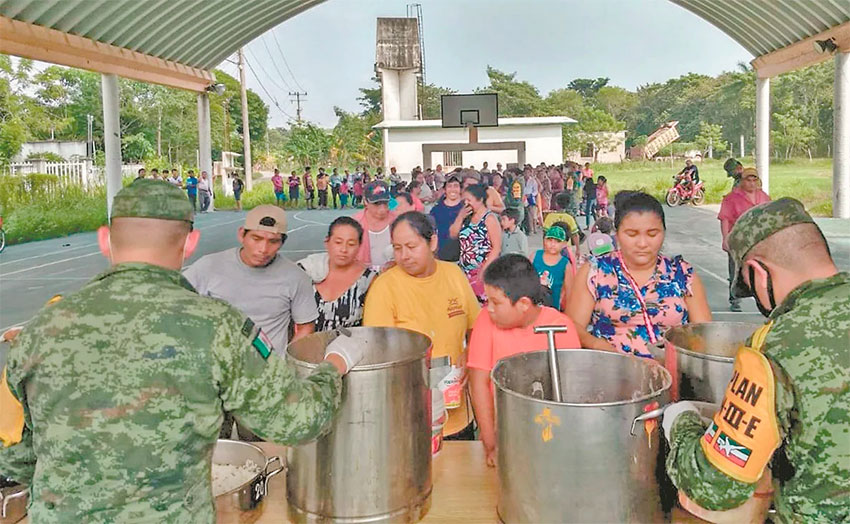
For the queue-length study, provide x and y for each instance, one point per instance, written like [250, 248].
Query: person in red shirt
[506, 328]
[743, 196]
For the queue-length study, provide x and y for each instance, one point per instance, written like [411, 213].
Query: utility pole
[246, 133]
[298, 99]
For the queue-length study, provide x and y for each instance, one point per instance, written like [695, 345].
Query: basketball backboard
[478, 110]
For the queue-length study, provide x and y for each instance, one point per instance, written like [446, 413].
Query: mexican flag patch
[710, 432]
[262, 344]
[734, 452]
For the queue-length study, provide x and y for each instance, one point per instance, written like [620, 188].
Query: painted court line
[58, 251]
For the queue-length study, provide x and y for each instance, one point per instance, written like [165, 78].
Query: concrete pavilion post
[763, 131]
[111, 136]
[205, 141]
[841, 138]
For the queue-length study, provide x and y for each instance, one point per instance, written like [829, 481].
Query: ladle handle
[554, 368]
[655, 413]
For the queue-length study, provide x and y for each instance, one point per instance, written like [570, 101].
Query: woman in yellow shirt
[429, 296]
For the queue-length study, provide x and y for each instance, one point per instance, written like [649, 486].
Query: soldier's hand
[10, 334]
[346, 348]
[672, 412]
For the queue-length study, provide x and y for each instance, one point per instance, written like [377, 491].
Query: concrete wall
[543, 144]
[613, 155]
[65, 149]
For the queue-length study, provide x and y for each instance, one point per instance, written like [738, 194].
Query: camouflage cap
[146, 198]
[755, 225]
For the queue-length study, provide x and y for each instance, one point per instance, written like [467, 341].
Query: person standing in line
[531, 194]
[505, 328]
[513, 239]
[322, 188]
[155, 174]
[357, 191]
[514, 192]
[602, 196]
[335, 181]
[118, 390]
[257, 280]
[340, 280]
[238, 186]
[376, 249]
[205, 191]
[444, 214]
[786, 411]
[429, 296]
[480, 236]
[294, 189]
[395, 181]
[175, 179]
[277, 184]
[309, 191]
[745, 195]
[142, 174]
[553, 265]
[343, 193]
[192, 189]
[589, 193]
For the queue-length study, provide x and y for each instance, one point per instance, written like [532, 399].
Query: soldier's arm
[691, 472]
[262, 390]
[17, 458]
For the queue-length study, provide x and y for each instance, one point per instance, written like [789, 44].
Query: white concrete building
[613, 150]
[410, 143]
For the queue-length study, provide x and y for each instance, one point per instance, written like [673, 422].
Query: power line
[285, 62]
[274, 63]
[268, 76]
[251, 68]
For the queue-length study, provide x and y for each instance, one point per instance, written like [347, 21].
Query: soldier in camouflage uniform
[124, 384]
[788, 403]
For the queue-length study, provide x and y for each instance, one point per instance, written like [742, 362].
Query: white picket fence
[81, 173]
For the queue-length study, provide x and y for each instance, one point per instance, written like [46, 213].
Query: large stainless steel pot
[375, 463]
[700, 357]
[233, 505]
[576, 461]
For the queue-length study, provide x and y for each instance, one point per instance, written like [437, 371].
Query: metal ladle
[554, 370]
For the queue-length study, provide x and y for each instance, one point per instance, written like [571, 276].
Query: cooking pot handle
[7, 498]
[655, 413]
[270, 474]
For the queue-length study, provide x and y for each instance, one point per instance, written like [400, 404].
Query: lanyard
[633, 283]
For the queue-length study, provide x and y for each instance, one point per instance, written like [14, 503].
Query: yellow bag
[11, 415]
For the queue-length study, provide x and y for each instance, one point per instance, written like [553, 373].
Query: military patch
[732, 450]
[262, 344]
[247, 327]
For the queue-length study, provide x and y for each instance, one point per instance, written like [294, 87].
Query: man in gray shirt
[255, 279]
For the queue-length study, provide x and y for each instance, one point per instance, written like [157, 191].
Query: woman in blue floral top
[632, 296]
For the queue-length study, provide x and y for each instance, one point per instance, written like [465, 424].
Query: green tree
[516, 98]
[430, 100]
[710, 137]
[588, 87]
[616, 101]
[791, 134]
[307, 144]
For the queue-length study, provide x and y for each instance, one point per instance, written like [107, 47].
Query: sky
[330, 49]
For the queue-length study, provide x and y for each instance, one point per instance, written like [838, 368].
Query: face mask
[763, 310]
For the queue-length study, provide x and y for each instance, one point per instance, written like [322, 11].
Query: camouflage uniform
[807, 349]
[124, 386]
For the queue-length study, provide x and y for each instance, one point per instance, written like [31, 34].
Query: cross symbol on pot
[547, 420]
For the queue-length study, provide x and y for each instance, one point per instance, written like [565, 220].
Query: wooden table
[466, 495]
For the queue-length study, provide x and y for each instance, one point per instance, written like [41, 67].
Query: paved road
[32, 273]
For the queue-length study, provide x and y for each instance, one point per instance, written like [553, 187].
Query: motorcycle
[681, 193]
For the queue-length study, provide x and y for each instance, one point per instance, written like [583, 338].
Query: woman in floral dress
[480, 235]
[632, 296]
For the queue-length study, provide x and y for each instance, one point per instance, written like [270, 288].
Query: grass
[809, 182]
[71, 211]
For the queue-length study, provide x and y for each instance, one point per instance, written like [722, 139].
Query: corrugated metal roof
[763, 26]
[202, 33]
[197, 33]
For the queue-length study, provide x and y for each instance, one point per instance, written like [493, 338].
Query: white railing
[81, 172]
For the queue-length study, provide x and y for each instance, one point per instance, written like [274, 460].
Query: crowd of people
[446, 255]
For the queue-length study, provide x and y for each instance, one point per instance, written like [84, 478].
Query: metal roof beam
[39, 43]
[802, 53]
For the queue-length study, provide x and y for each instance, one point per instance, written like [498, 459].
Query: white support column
[763, 131]
[841, 138]
[111, 136]
[205, 140]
